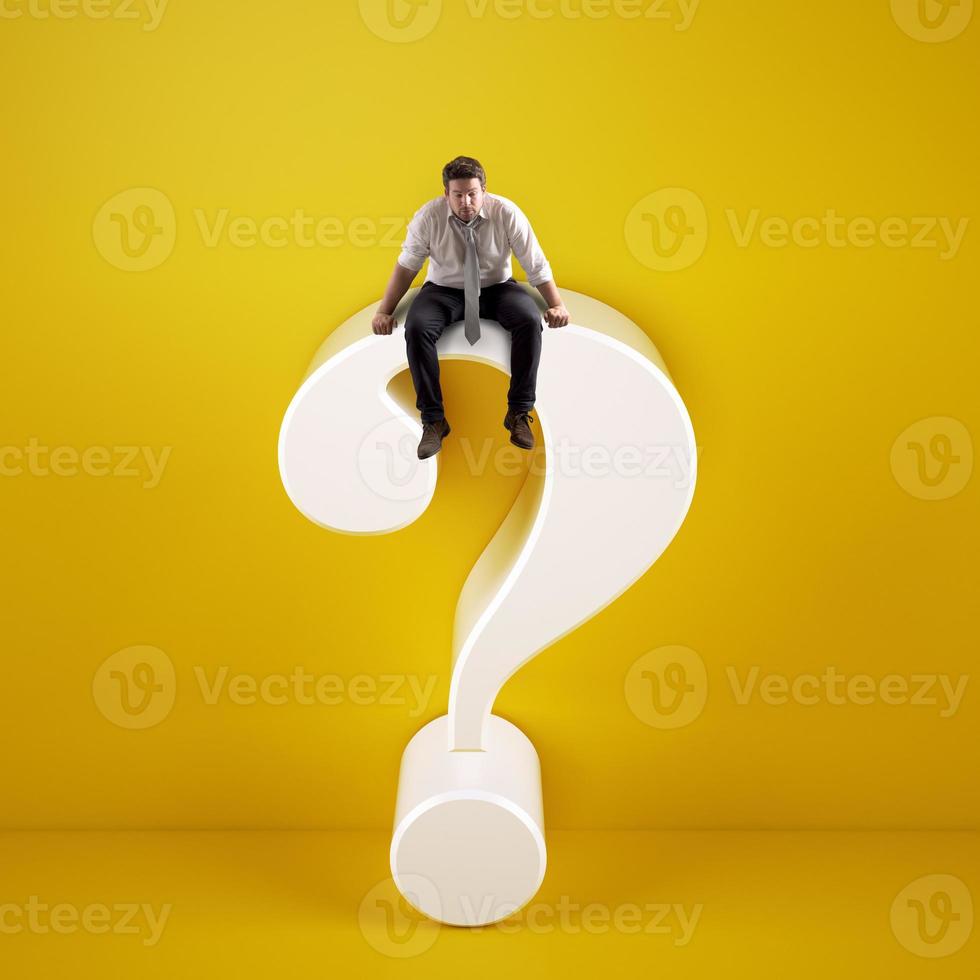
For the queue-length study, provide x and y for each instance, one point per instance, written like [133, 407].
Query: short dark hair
[461, 168]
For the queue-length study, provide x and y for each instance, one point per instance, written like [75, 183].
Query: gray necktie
[471, 283]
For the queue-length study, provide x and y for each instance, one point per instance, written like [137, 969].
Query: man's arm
[556, 315]
[413, 255]
[401, 279]
[533, 261]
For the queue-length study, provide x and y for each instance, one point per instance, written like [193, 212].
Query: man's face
[465, 197]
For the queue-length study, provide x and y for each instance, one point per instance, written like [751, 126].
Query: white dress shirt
[501, 226]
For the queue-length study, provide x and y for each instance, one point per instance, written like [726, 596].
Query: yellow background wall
[810, 543]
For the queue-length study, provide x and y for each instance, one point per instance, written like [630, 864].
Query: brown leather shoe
[520, 432]
[432, 435]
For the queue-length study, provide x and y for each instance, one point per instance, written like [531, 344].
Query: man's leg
[516, 311]
[432, 310]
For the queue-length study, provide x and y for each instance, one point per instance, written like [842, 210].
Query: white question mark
[619, 474]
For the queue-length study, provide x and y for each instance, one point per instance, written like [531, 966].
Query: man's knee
[523, 315]
[421, 328]
[528, 321]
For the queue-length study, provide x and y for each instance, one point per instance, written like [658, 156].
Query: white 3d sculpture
[620, 465]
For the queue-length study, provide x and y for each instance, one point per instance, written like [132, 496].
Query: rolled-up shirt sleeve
[525, 246]
[415, 249]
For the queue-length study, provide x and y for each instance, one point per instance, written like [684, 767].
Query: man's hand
[383, 323]
[556, 316]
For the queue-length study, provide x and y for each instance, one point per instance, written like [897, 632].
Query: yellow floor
[665, 904]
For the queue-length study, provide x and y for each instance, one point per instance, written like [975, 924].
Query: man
[467, 235]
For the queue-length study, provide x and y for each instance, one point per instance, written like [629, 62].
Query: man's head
[465, 182]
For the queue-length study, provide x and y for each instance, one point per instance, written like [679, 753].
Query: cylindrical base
[468, 847]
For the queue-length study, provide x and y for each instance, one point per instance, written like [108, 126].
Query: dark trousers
[435, 307]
